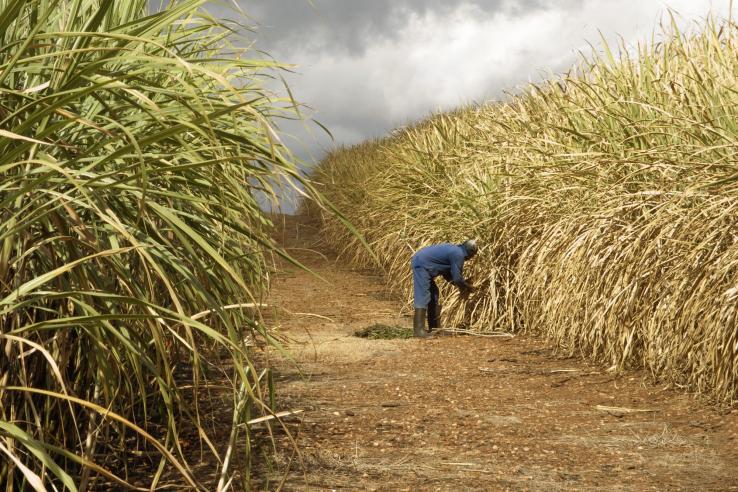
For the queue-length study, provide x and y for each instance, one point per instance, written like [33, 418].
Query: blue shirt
[444, 259]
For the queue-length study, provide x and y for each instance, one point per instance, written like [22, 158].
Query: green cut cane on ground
[380, 331]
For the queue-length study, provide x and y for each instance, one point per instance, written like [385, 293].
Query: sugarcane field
[472, 245]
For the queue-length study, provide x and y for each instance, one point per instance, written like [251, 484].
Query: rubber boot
[434, 316]
[419, 323]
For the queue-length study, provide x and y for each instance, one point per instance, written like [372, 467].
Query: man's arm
[457, 275]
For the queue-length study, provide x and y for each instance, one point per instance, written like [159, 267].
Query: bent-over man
[446, 260]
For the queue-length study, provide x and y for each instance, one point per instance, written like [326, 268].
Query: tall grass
[132, 247]
[605, 200]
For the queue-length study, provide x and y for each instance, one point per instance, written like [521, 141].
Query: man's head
[470, 245]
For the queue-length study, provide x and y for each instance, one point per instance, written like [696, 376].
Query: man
[446, 260]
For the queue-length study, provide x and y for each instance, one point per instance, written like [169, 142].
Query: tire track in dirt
[467, 413]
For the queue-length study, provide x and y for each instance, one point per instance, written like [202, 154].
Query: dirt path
[468, 413]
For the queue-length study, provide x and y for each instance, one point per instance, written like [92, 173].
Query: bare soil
[464, 412]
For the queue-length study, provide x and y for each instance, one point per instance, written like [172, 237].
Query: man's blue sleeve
[457, 277]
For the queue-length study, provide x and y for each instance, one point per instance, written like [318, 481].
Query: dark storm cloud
[353, 25]
[367, 66]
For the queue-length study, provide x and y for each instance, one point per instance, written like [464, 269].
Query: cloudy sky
[368, 66]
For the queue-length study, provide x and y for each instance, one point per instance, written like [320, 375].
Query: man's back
[439, 258]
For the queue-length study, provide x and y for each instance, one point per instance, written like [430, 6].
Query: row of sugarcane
[134, 140]
[604, 201]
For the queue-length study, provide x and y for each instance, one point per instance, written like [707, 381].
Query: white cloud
[443, 60]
